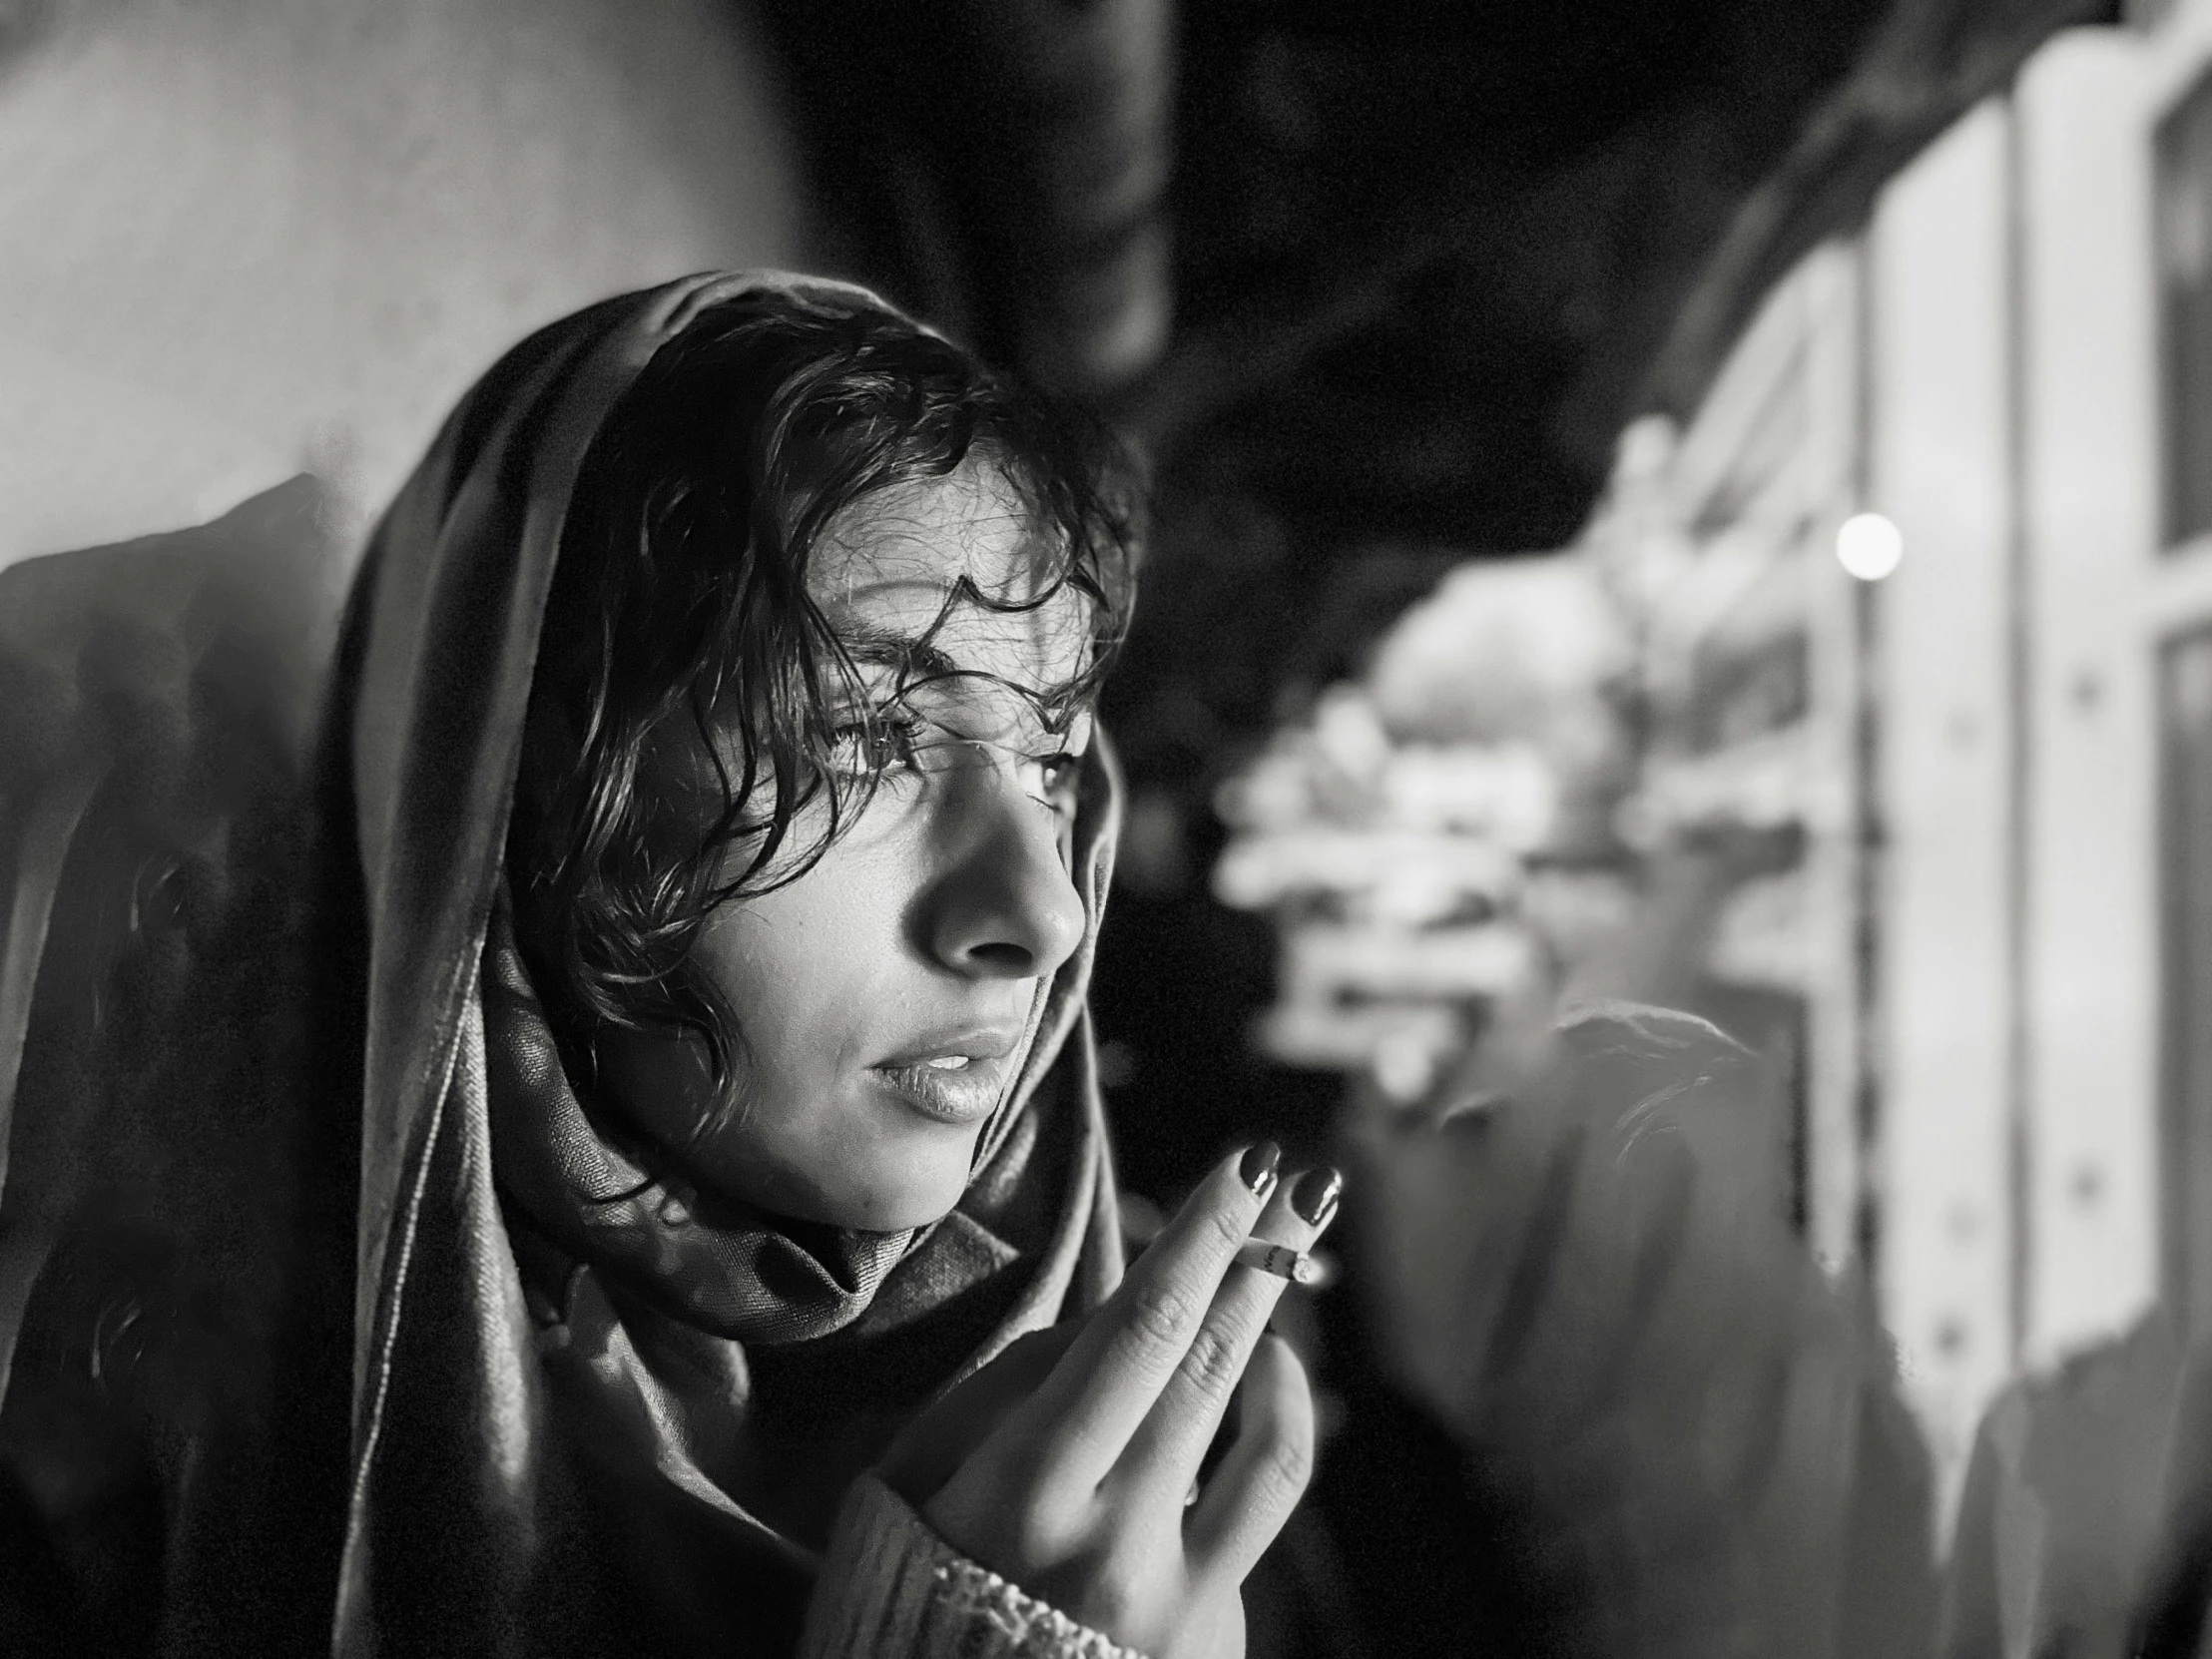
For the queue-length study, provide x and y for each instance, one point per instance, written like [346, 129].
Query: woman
[689, 1011]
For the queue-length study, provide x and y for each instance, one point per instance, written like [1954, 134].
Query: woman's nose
[1007, 909]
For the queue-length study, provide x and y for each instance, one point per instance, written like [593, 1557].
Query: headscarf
[558, 1361]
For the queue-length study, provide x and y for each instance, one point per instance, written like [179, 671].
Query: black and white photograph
[1105, 829]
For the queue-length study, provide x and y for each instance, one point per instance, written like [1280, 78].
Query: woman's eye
[875, 748]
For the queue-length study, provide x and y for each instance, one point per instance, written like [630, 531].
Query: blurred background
[1705, 501]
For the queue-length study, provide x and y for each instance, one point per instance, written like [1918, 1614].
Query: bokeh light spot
[1869, 546]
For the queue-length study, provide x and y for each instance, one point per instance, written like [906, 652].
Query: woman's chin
[873, 1218]
[896, 1201]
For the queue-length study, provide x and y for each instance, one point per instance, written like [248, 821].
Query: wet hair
[690, 700]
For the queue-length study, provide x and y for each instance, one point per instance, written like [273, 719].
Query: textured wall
[239, 237]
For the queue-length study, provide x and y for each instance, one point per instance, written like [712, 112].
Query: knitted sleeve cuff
[890, 1588]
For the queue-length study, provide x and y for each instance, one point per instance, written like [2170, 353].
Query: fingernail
[1315, 1194]
[1258, 1165]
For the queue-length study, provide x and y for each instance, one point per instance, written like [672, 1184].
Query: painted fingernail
[1257, 1167]
[1315, 1194]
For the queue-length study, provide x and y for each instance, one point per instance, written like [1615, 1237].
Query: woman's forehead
[889, 569]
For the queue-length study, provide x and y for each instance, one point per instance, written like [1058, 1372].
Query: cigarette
[1279, 1259]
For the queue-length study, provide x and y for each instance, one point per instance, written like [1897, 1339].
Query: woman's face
[884, 998]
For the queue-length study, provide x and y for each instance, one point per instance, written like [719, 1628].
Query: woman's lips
[955, 1074]
[961, 1094]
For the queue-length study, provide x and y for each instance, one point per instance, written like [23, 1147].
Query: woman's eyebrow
[864, 643]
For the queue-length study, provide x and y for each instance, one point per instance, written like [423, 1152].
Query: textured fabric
[175, 1230]
[48, 830]
[891, 1586]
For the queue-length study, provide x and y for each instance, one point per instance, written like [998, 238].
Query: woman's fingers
[1167, 1450]
[1264, 1475]
[1105, 1385]
[938, 1441]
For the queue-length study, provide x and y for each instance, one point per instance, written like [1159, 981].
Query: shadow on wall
[248, 237]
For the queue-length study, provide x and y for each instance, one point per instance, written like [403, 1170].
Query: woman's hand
[1070, 1464]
